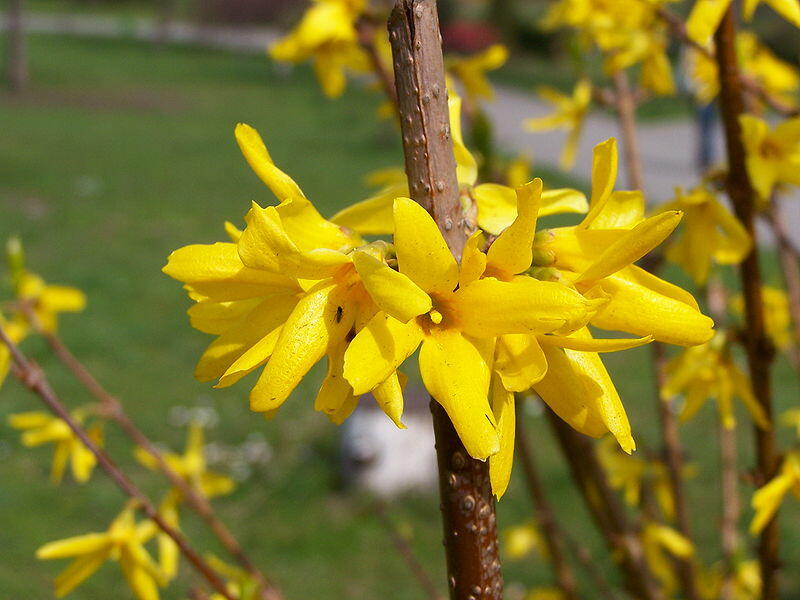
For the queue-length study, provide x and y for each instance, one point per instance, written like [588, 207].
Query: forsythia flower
[570, 112]
[767, 499]
[123, 542]
[327, 34]
[545, 593]
[471, 70]
[779, 78]
[776, 314]
[708, 371]
[191, 465]
[660, 544]
[521, 540]
[773, 156]
[710, 234]
[496, 204]
[42, 428]
[240, 583]
[706, 15]
[791, 418]
[746, 581]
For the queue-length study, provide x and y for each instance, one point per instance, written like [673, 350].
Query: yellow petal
[74, 546]
[389, 396]
[29, 420]
[632, 246]
[466, 167]
[392, 291]
[584, 344]
[457, 376]
[422, 253]
[377, 350]
[489, 307]
[767, 500]
[497, 206]
[519, 362]
[322, 317]
[512, 252]
[372, 216]
[142, 583]
[500, 464]
[335, 397]
[623, 210]
[257, 156]
[59, 298]
[604, 175]
[78, 571]
[563, 200]
[578, 388]
[309, 230]
[218, 317]
[473, 260]
[704, 19]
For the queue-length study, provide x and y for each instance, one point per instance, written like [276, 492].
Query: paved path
[667, 148]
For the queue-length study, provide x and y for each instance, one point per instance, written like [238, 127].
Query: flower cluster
[511, 315]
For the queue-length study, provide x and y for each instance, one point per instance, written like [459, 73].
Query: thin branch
[673, 451]
[760, 351]
[367, 27]
[790, 267]
[406, 552]
[468, 511]
[555, 537]
[605, 508]
[114, 410]
[32, 377]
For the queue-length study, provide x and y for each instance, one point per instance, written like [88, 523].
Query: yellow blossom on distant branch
[16, 330]
[708, 371]
[471, 70]
[777, 319]
[43, 428]
[706, 15]
[521, 540]
[767, 499]
[791, 418]
[570, 112]
[709, 234]
[661, 545]
[773, 154]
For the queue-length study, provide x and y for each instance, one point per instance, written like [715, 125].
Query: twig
[760, 351]
[467, 504]
[366, 27]
[32, 377]
[406, 552]
[605, 508]
[790, 267]
[750, 85]
[545, 516]
[114, 409]
[673, 452]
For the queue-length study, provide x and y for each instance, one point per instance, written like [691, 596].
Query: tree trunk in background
[16, 57]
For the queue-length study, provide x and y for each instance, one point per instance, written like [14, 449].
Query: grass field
[120, 153]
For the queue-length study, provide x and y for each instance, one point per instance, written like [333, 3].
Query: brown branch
[366, 28]
[406, 552]
[673, 452]
[32, 377]
[605, 508]
[467, 504]
[545, 516]
[750, 85]
[760, 352]
[113, 409]
[790, 268]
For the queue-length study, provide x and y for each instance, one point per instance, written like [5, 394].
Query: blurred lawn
[120, 153]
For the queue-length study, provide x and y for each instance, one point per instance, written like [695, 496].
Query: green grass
[119, 154]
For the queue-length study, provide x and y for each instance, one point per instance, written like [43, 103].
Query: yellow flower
[122, 542]
[545, 593]
[767, 500]
[521, 540]
[776, 314]
[328, 36]
[283, 296]
[773, 156]
[661, 544]
[42, 428]
[710, 234]
[495, 204]
[471, 70]
[434, 302]
[706, 372]
[597, 257]
[706, 15]
[240, 583]
[779, 78]
[16, 330]
[191, 465]
[570, 112]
